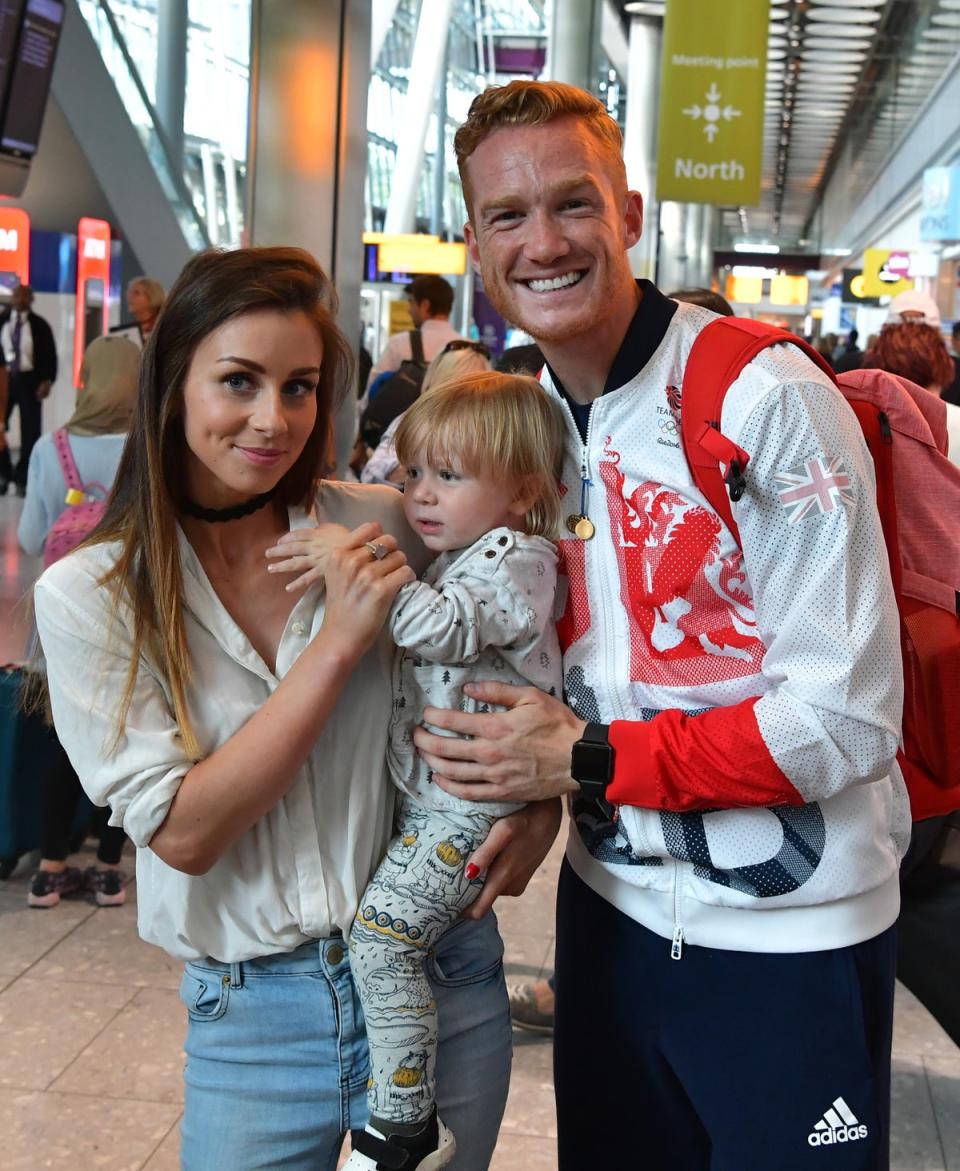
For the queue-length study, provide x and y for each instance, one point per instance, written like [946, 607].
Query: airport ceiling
[838, 71]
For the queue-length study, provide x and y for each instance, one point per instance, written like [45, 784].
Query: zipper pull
[885, 431]
[676, 948]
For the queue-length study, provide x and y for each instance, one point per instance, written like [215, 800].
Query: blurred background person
[825, 345]
[30, 355]
[850, 356]
[430, 298]
[458, 358]
[706, 298]
[915, 350]
[952, 392]
[145, 298]
[96, 433]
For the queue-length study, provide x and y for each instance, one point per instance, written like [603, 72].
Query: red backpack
[918, 498]
[85, 506]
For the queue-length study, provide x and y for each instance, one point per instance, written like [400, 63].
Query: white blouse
[299, 872]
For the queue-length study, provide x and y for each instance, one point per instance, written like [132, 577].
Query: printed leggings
[417, 893]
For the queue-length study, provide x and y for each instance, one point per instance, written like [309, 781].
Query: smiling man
[725, 949]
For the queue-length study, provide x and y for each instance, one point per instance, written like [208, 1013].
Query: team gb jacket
[755, 698]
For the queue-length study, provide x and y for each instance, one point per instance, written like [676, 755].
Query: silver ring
[377, 552]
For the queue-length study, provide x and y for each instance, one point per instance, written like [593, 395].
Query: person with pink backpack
[70, 475]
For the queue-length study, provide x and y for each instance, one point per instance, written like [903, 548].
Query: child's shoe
[430, 1149]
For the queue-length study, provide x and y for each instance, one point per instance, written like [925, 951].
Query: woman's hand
[515, 847]
[361, 586]
[307, 552]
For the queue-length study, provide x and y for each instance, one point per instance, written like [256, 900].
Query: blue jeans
[277, 1058]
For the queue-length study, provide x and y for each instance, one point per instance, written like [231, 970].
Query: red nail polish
[472, 871]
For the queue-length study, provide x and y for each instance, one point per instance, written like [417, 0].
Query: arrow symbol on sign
[730, 113]
[711, 130]
[713, 94]
[693, 112]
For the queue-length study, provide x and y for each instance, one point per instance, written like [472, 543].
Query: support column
[671, 262]
[693, 236]
[437, 218]
[425, 72]
[571, 46]
[706, 244]
[640, 137]
[172, 24]
[307, 150]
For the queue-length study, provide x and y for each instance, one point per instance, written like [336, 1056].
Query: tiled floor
[91, 1027]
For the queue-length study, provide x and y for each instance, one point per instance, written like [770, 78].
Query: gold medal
[584, 528]
[572, 521]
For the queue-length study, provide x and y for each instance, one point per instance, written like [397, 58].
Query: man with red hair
[725, 951]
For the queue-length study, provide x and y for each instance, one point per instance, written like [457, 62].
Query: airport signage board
[14, 247]
[940, 213]
[713, 69]
[93, 284]
[885, 272]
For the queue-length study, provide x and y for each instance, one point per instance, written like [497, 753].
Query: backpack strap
[416, 347]
[717, 358]
[61, 441]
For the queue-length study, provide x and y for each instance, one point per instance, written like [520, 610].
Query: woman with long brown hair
[238, 733]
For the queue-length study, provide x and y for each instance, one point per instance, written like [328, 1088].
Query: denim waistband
[316, 955]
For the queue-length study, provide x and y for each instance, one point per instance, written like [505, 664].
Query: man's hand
[518, 755]
[43, 389]
[515, 847]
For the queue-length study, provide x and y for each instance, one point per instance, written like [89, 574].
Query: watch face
[592, 761]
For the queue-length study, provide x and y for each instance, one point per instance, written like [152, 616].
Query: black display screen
[10, 13]
[30, 76]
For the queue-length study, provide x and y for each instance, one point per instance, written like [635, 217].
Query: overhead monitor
[30, 72]
[11, 12]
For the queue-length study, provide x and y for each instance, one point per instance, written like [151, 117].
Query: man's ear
[633, 217]
[470, 239]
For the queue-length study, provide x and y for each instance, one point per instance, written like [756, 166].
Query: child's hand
[307, 552]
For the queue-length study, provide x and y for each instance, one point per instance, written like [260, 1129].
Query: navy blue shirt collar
[644, 334]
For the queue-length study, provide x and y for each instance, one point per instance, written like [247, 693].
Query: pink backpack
[85, 506]
[918, 498]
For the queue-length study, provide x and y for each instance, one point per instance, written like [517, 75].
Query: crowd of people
[338, 720]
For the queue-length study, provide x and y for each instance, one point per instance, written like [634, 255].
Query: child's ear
[526, 496]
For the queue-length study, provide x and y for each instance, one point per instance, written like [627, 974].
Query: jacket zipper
[676, 945]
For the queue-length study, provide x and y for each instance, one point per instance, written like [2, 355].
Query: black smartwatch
[591, 761]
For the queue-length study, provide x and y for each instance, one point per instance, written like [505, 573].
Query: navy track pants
[719, 1061]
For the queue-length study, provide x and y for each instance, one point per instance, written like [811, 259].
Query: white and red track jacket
[755, 699]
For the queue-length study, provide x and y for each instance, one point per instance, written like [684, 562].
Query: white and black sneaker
[384, 1150]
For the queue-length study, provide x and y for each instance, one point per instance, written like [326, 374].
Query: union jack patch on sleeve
[819, 485]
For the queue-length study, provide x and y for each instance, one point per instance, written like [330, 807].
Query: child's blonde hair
[500, 426]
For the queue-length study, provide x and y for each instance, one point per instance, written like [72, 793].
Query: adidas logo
[838, 1125]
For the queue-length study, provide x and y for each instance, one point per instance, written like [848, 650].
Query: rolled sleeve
[87, 655]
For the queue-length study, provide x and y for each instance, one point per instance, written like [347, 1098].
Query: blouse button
[299, 628]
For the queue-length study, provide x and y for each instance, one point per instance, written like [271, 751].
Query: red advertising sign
[93, 283]
[14, 246]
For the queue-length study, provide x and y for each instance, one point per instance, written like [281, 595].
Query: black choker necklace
[212, 515]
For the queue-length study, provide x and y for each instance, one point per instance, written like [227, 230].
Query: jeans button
[334, 954]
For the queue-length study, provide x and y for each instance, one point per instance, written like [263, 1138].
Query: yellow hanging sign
[885, 272]
[714, 65]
